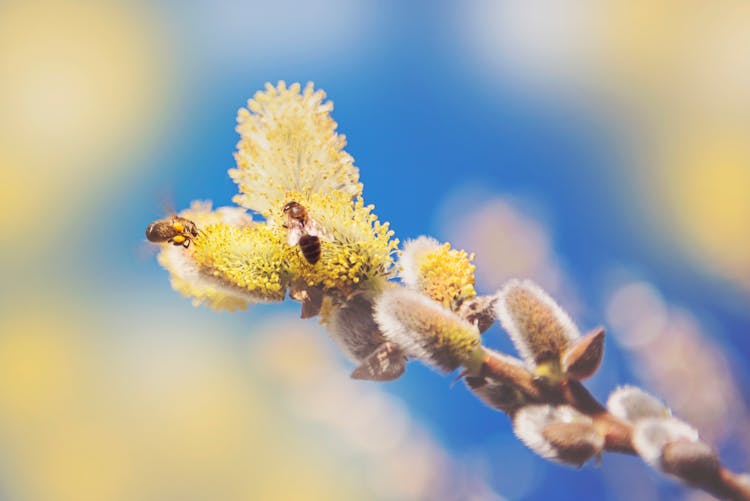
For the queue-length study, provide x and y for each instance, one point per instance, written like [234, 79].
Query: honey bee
[303, 231]
[174, 229]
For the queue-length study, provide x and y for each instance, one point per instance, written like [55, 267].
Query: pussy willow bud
[541, 331]
[559, 433]
[650, 435]
[428, 331]
[575, 443]
[632, 404]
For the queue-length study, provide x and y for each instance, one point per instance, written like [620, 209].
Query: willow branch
[708, 476]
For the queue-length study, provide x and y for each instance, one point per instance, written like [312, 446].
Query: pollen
[203, 292]
[356, 249]
[289, 151]
[250, 258]
[216, 271]
[288, 142]
[444, 274]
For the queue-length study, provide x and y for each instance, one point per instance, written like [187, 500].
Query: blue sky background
[436, 102]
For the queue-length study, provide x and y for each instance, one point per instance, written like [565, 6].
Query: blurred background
[601, 148]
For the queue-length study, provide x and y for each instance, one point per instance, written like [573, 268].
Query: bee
[174, 229]
[303, 231]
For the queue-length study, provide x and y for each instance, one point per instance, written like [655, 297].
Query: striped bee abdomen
[310, 247]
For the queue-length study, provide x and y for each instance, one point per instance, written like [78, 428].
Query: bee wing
[314, 229]
[293, 235]
[386, 363]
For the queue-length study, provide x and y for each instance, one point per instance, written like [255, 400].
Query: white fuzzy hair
[412, 257]
[507, 320]
[632, 404]
[650, 435]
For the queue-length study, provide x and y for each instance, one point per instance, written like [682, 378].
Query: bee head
[151, 232]
[294, 210]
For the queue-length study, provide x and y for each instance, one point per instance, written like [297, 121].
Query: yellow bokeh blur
[661, 59]
[703, 189]
[682, 69]
[90, 411]
[80, 83]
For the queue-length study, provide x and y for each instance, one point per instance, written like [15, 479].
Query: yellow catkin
[356, 249]
[185, 276]
[447, 276]
[289, 151]
[249, 258]
[205, 294]
[288, 141]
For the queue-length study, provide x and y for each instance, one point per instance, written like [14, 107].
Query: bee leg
[186, 243]
[386, 363]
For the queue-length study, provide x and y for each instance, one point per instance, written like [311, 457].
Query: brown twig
[618, 434]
